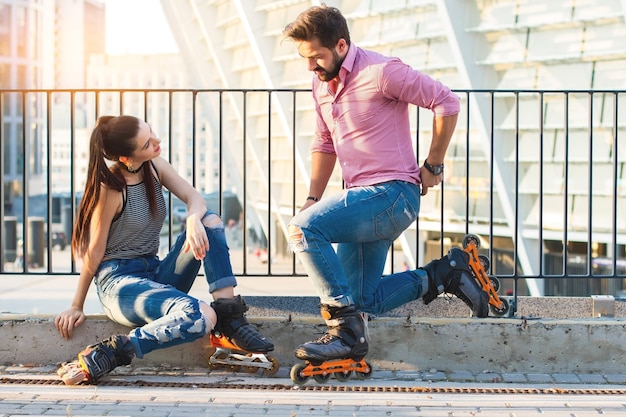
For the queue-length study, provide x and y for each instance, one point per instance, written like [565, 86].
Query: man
[362, 99]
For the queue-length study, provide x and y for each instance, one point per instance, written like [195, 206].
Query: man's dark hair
[326, 24]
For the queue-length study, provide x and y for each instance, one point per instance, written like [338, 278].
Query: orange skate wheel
[297, 374]
[274, 368]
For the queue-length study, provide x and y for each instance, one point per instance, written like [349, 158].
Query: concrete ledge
[535, 307]
[587, 346]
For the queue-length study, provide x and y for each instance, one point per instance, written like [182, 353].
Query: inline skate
[238, 345]
[480, 265]
[339, 353]
[97, 360]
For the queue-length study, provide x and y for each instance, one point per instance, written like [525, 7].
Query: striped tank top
[135, 232]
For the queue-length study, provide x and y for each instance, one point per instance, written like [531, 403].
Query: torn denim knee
[212, 220]
[297, 240]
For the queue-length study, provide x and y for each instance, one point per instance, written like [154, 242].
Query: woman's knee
[212, 221]
[209, 315]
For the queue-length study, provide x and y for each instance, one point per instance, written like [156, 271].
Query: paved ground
[168, 393]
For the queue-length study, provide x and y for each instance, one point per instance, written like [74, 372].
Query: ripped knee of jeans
[209, 316]
[297, 240]
[212, 221]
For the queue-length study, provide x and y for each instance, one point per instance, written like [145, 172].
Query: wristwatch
[435, 170]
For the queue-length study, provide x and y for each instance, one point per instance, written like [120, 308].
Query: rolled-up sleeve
[322, 141]
[401, 82]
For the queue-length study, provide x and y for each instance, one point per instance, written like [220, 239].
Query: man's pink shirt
[366, 123]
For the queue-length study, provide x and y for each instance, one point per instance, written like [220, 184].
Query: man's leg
[358, 215]
[452, 274]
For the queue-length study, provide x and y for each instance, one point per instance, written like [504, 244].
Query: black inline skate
[339, 352]
[97, 360]
[462, 272]
[238, 345]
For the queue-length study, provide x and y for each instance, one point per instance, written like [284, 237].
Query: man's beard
[325, 75]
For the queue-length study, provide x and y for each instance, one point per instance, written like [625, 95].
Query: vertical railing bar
[541, 178]
[269, 182]
[194, 140]
[467, 147]
[516, 223]
[590, 201]
[566, 190]
[145, 105]
[220, 185]
[72, 175]
[2, 168]
[170, 152]
[244, 147]
[294, 155]
[417, 157]
[25, 187]
[48, 182]
[615, 179]
[491, 171]
[442, 231]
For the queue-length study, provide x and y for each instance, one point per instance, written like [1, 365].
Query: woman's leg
[178, 269]
[164, 316]
[230, 309]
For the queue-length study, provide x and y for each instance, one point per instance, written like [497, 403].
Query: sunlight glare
[137, 27]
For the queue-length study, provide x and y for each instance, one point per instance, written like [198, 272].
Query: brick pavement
[387, 393]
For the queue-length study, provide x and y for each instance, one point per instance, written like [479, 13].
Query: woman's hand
[67, 320]
[197, 240]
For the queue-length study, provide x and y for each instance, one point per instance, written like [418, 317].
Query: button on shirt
[366, 122]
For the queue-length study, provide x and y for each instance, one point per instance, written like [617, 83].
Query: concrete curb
[502, 345]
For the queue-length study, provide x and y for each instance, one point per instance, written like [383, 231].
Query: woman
[117, 236]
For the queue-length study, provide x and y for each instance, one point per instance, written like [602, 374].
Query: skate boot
[452, 274]
[97, 360]
[345, 338]
[232, 324]
[339, 352]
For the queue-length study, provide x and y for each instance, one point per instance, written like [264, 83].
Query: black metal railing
[540, 176]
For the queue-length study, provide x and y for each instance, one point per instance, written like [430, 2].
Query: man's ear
[342, 46]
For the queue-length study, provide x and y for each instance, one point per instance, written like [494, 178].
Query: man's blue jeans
[363, 222]
[151, 294]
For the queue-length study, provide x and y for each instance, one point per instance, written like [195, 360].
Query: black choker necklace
[132, 171]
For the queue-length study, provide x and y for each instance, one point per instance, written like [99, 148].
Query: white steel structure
[469, 45]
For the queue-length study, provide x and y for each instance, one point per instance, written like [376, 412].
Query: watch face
[435, 170]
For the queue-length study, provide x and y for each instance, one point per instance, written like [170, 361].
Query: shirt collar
[348, 62]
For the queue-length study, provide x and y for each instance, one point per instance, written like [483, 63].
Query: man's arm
[322, 165]
[443, 128]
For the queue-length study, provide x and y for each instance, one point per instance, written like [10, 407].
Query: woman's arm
[108, 205]
[197, 240]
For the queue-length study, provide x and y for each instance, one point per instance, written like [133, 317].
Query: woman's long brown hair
[111, 138]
